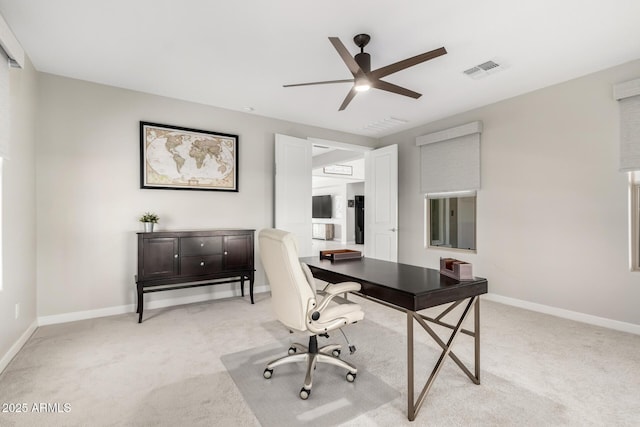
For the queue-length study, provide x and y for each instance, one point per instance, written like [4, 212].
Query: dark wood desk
[410, 289]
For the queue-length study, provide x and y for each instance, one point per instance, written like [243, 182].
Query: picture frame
[180, 158]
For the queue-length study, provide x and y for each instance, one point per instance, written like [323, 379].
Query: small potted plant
[149, 219]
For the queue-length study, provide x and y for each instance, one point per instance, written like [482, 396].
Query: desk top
[406, 286]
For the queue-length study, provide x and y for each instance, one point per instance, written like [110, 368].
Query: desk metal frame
[323, 270]
[414, 405]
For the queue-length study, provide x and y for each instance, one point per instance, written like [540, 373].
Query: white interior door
[293, 189]
[381, 203]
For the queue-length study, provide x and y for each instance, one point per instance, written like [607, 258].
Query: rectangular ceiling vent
[483, 70]
[384, 125]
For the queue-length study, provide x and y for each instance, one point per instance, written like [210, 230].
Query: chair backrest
[290, 291]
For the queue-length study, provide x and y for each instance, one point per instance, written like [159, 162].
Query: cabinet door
[238, 252]
[160, 258]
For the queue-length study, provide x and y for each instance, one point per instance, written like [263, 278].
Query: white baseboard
[15, 348]
[566, 314]
[83, 315]
[129, 308]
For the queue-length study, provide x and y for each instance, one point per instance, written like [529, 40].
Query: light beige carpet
[536, 370]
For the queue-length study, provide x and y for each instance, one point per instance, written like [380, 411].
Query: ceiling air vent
[489, 65]
[384, 125]
[483, 70]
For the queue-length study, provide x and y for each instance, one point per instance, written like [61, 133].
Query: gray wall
[19, 214]
[89, 198]
[552, 212]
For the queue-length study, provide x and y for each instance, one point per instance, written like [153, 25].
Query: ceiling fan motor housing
[364, 61]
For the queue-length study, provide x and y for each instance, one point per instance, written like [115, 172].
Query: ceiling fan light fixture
[362, 84]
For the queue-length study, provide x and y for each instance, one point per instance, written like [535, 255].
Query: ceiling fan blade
[348, 99]
[409, 62]
[320, 83]
[346, 56]
[390, 87]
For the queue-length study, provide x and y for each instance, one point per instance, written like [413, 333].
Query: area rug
[333, 400]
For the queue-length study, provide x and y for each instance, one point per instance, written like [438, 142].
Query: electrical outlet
[17, 311]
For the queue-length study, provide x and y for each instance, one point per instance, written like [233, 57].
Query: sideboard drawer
[201, 245]
[200, 265]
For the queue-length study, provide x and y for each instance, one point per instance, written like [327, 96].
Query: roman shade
[450, 159]
[628, 96]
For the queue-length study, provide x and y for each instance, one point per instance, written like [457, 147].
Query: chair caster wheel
[267, 373]
[335, 353]
[351, 377]
[292, 350]
[304, 393]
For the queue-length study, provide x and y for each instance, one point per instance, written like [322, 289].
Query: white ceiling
[238, 53]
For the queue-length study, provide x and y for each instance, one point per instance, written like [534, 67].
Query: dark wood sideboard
[170, 260]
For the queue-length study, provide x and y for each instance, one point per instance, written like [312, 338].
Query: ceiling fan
[363, 78]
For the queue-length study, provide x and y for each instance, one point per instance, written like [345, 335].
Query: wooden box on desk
[456, 269]
[340, 254]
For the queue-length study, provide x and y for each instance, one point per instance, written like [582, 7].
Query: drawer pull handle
[225, 252]
[202, 263]
[175, 256]
[202, 245]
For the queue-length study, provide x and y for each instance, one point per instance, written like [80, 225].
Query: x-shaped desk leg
[414, 405]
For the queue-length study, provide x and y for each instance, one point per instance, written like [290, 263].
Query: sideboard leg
[140, 304]
[242, 285]
[251, 276]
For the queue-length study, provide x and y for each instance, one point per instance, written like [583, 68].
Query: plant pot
[148, 227]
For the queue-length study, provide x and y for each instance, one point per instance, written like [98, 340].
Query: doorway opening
[294, 196]
[338, 179]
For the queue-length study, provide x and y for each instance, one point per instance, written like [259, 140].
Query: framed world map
[180, 158]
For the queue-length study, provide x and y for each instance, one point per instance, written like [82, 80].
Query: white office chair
[294, 300]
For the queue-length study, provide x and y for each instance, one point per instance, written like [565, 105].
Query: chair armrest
[314, 323]
[324, 327]
[315, 313]
[340, 288]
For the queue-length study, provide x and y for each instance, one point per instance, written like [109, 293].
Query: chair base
[311, 355]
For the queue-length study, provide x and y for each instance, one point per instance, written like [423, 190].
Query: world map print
[185, 159]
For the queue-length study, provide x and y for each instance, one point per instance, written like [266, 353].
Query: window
[450, 220]
[634, 217]
[1, 200]
[4, 130]
[11, 54]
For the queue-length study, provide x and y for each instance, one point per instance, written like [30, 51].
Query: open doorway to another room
[338, 177]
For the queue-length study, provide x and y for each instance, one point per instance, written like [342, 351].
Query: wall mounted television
[321, 207]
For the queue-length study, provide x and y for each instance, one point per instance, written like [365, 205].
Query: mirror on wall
[451, 221]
